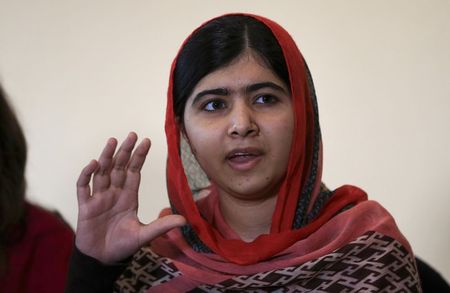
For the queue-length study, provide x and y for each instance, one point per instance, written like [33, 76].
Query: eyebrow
[250, 88]
[261, 85]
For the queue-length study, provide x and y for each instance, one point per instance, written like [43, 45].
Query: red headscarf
[303, 177]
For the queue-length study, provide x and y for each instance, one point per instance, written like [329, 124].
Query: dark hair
[215, 45]
[13, 157]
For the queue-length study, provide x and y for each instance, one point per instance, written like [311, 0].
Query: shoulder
[371, 216]
[46, 235]
[41, 222]
[45, 246]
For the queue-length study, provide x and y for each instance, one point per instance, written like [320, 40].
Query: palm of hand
[108, 228]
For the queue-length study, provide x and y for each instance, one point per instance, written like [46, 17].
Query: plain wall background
[79, 72]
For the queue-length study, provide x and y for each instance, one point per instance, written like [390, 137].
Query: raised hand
[108, 228]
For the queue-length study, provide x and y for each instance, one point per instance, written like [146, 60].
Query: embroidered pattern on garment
[371, 263]
[147, 269]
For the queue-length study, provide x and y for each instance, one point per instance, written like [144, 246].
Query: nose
[242, 121]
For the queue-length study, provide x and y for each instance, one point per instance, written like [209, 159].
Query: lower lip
[244, 163]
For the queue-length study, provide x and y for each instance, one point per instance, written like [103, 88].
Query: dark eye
[214, 105]
[266, 99]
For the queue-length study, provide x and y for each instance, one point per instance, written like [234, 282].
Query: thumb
[160, 226]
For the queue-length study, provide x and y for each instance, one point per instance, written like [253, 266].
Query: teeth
[243, 154]
[240, 155]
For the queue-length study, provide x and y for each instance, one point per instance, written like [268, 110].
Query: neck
[248, 218]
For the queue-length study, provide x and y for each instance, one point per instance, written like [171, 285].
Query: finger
[135, 165]
[83, 188]
[101, 177]
[121, 159]
[159, 227]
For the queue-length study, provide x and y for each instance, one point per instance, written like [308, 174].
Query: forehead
[246, 69]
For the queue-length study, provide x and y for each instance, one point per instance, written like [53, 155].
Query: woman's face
[239, 124]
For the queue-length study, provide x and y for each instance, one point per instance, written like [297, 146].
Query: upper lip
[247, 151]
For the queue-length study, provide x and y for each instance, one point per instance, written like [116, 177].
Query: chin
[248, 191]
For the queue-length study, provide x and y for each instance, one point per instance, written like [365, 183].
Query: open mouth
[244, 159]
[241, 156]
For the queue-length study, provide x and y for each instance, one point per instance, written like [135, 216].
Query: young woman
[242, 102]
[35, 244]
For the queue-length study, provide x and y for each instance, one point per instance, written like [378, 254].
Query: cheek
[281, 133]
[281, 129]
[203, 141]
